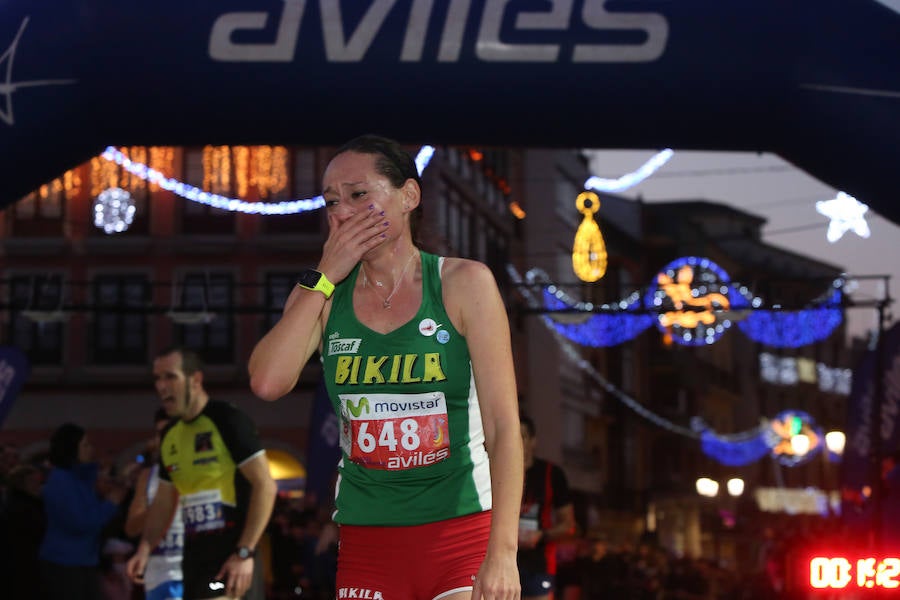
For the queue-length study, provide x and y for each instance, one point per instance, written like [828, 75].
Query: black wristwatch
[244, 552]
[315, 281]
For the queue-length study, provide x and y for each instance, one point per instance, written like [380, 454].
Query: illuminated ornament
[630, 179]
[846, 214]
[589, 250]
[691, 296]
[113, 210]
[794, 437]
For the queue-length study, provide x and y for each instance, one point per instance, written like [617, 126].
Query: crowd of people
[298, 550]
[300, 545]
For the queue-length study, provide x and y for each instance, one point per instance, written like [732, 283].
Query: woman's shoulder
[465, 270]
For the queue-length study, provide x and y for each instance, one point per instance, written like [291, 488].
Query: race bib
[202, 512]
[173, 543]
[395, 431]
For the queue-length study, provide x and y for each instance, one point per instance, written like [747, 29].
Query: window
[32, 327]
[41, 213]
[278, 288]
[120, 320]
[204, 316]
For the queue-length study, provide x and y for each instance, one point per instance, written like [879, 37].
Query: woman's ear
[412, 194]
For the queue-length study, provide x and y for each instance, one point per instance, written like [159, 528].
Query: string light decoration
[616, 325]
[162, 159]
[573, 355]
[791, 438]
[793, 329]
[194, 194]
[630, 179]
[735, 449]
[589, 249]
[689, 306]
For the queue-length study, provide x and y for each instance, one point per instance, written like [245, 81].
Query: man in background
[547, 515]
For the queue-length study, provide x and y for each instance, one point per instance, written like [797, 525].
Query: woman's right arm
[279, 357]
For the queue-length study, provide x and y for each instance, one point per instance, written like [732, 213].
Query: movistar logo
[357, 408]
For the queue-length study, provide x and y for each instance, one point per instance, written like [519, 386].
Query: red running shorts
[418, 562]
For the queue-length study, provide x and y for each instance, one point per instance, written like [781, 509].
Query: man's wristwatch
[316, 281]
[243, 552]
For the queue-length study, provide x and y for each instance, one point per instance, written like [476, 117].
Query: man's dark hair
[526, 421]
[393, 162]
[190, 361]
[64, 445]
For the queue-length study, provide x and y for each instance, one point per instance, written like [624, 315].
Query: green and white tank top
[412, 440]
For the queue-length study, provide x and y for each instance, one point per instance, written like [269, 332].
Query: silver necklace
[386, 302]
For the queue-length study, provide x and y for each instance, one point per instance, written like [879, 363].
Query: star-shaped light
[846, 214]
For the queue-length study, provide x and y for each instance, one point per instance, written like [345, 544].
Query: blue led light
[793, 329]
[597, 330]
[734, 453]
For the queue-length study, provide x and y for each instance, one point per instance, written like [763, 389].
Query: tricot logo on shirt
[344, 346]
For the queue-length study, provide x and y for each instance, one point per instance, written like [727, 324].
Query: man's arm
[137, 510]
[237, 573]
[158, 520]
[262, 499]
[563, 524]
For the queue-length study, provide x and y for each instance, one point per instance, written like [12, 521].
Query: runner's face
[352, 183]
[172, 386]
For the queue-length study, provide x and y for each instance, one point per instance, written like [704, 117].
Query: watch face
[243, 552]
[309, 278]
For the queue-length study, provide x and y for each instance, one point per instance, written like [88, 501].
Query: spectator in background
[9, 459]
[162, 577]
[602, 573]
[76, 515]
[890, 515]
[547, 515]
[21, 529]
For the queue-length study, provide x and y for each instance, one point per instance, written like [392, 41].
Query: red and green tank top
[412, 440]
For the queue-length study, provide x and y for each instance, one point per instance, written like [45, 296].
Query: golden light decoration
[682, 295]
[104, 175]
[162, 159]
[589, 250]
[107, 174]
[264, 168]
[217, 169]
[269, 170]
[241, 159]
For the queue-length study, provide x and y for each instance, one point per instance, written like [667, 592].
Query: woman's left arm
[475, 302]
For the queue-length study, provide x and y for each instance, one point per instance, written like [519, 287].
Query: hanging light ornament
[589, 250]
[113, 210]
